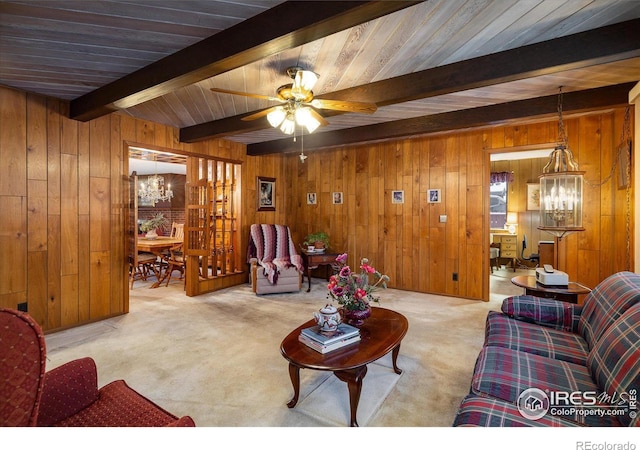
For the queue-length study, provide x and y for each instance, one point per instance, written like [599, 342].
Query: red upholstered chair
[67, 395]
[22, 365]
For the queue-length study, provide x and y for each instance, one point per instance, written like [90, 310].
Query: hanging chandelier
[561, 183]
[154, 191]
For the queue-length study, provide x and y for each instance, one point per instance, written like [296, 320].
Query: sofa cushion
[505, 374]
[608, 301]
[543, 311]
[615, 361]
[68, 389]
[503, 331]
[121, 406]
[490, 412]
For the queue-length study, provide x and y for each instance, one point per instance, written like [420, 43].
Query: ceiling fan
[297, 104]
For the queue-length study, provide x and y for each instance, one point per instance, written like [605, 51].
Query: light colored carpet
[328, 397]
[216, 357]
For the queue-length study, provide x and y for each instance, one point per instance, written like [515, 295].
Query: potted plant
[319, 239]
[149, 226]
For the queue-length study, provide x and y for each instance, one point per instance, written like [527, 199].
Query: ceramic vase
[355, 317]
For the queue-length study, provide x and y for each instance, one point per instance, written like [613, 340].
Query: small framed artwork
[434, 196]
[337, 198]
[312, 199]
[266, 194]
[533, 196]
[397, 196]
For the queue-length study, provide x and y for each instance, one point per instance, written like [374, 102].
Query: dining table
[158, 246]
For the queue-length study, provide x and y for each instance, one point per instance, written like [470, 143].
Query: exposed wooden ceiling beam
[605, 44]
[469, 118]
[284, 26]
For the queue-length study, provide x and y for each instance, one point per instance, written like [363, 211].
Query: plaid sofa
[551, 363]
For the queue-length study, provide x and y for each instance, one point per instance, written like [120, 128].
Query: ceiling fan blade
[260, 114]
[246, 94]
[338, 105]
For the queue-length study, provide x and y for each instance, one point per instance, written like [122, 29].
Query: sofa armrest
[67, 390]
[543, 311]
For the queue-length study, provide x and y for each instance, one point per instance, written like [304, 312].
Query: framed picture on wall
[312, 199]
[533, 196]
[397, 196]
[266, 194]
[337, 198]
[434, 196]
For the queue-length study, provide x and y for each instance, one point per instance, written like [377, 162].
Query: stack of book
[324, 342]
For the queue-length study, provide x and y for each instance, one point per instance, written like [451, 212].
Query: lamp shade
[288, 125]
[276, 116]
[304, 118]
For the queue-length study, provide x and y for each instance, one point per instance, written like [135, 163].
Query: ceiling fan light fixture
[276, 117]
[288, 124]
[304, 118]
[306, 79]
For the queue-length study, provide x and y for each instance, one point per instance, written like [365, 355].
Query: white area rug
[324, 397]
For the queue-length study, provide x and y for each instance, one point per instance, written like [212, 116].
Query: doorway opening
[514, 216]
[156, 213]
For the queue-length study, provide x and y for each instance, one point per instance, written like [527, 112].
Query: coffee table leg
[294, 374]
[353, 378]
[394, 358]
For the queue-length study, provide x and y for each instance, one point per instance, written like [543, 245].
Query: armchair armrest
[543, 311]
[67, 390]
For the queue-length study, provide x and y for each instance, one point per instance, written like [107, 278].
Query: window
[498, 204]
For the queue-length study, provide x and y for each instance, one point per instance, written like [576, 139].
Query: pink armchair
[67, 395]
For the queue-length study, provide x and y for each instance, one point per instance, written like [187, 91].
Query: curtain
[501, 177]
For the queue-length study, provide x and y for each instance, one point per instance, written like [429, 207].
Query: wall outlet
[455, 276]
[443, 218]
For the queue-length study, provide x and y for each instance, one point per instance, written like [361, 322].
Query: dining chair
[177, 230]
[175, 262]
[141, 266]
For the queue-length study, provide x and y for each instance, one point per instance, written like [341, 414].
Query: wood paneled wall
[64, 205]
[408, 241]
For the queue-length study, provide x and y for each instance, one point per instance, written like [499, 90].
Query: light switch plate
[443, 218]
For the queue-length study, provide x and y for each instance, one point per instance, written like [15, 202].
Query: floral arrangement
[352, 290]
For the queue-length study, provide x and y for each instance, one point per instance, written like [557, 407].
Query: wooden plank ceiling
[429, 66]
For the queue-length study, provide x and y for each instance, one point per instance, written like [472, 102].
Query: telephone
[548, 268]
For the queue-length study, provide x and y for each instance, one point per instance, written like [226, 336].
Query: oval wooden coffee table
[380, 334]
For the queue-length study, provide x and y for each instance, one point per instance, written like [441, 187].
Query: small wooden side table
[315, 259]
[566, 294]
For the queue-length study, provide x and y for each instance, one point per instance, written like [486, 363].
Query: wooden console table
[315, 259]
[566, 294]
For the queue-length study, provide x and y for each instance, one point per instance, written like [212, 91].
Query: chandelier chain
[562, 132]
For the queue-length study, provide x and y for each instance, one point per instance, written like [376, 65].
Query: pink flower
[367, 268]
[342, 259]
[360, 293]
[338, 291]
[345, 272]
